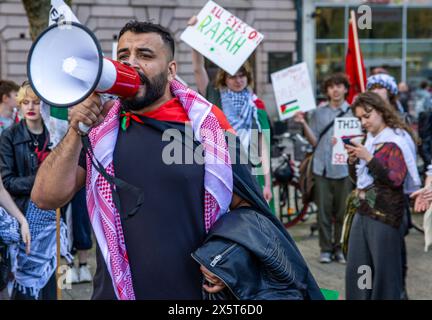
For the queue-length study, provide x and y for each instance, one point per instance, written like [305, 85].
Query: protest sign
[344, 126]
[222, 37]
[293, 90]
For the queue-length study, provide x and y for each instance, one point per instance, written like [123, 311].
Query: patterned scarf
[105, 219]
[241, 112]
[404, 141]
[33, 271]
[9, 228]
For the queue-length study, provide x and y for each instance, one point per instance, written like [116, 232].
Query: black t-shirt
[168, 227]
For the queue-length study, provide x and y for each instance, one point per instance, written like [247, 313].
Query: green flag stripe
[59, 113]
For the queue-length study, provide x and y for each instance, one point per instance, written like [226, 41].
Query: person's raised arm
[59, 176]
[200, 73]
[309, 134]
[265, 160]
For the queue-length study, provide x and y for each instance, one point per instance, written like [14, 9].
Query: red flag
[354, 66]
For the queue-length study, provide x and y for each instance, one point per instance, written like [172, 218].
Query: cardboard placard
[222, 37]
[344, 126]
[293, 90]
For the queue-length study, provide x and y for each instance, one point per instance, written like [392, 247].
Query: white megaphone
[66, 64]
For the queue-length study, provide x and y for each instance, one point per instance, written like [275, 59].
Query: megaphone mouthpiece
[79, 68]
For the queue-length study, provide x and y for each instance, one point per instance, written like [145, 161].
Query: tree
[37, 14]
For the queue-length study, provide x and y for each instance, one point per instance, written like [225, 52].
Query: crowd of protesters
[375, 185]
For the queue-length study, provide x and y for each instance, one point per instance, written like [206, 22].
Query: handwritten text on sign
[222, 37]
[344, 126]
[293, 90]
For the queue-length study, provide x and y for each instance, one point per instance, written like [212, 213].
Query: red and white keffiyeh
[105, 219]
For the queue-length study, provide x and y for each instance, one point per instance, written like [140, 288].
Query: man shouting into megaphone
[148, 214]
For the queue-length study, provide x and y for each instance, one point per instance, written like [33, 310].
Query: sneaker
[339, 257]
[325, 257]
[84, 274]
[72, 275]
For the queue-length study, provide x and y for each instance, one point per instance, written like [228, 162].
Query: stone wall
[276, 19]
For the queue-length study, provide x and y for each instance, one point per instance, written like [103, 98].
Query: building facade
[314, 31]
[400, 37]
[276, 19]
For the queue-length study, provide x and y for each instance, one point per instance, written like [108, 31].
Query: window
[381, 51]
[419, 63]
[419, 24]
[278, 61]
[330, 23]
[329, 58]
[386, 24]
[385, 45]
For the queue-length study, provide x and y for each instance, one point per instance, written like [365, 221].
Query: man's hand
[192, 21]
[423, 197]
[422, 203]
[299, 117]
[216, 285]
[334, 141]
[88, 112]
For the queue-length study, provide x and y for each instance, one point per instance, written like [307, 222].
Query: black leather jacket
[255, 260]
[18, 163]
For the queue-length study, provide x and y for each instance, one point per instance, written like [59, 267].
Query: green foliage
[37, 14]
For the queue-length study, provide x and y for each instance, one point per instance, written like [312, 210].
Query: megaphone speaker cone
[66, 65]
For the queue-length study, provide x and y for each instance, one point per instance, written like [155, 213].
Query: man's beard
[154, 90]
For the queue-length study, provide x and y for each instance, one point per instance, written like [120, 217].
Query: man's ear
[4, 98]
[172, 70]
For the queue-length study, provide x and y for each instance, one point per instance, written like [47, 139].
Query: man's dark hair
[424, 84]
[135, 26]
[335, 78]
[6, 87]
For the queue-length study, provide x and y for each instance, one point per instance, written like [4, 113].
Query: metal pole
[59, 292]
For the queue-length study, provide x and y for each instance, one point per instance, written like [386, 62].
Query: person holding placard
[332, 184]
[243, 109]
[381, 167]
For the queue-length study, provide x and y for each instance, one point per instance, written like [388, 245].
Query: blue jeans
[81, 222]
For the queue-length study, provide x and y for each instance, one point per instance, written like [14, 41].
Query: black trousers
[374, 258]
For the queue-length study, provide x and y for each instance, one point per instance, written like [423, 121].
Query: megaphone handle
[83, 128]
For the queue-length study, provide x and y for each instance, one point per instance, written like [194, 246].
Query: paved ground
[330, 276]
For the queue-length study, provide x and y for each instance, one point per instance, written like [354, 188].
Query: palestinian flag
[56, 120]
[290, 107]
